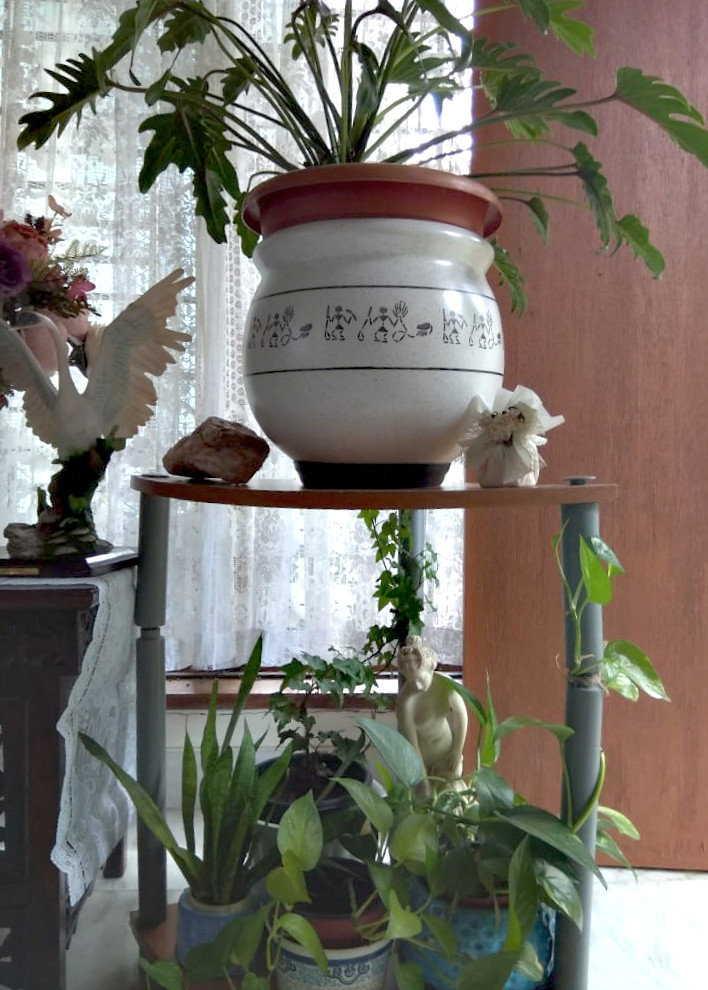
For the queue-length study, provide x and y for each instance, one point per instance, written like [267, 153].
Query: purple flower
[15, 272]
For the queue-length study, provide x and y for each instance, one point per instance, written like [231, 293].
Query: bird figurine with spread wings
[119, 397]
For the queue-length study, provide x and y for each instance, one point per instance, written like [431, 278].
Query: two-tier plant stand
[579, 509]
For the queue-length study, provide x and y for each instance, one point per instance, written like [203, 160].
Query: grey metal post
[150, 604]
[583, 749]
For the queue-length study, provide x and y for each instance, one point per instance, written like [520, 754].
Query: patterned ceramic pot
[364, 966]
[478, 934]
[373, 325]
[199, 924]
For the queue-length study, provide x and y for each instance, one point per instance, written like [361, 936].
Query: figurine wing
[136, 344]
[21, 370]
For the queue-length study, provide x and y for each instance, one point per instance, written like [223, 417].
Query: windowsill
[190, 693]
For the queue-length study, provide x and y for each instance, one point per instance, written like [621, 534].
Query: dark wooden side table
[45, 630]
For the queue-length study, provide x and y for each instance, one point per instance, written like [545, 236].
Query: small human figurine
[429, 712]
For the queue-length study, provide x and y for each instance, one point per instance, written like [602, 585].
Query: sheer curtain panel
[304, 579]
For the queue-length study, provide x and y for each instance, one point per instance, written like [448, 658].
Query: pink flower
[15, 271]
[28, 241]
[78, 288]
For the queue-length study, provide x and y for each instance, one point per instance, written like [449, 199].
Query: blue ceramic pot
[199, 924]
[364, 965]
[478, 934]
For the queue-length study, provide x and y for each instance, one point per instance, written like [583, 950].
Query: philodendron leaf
[508, 273]
[395, 750]
[408, 975]
[559, 890]
[631, 231]
[302, 932]
[576, 34]
[629, 660]
[598, 586]
[300, 832]
[667, 107]
[538, 11]
[165, 972]
[369, 802]
[402, 923]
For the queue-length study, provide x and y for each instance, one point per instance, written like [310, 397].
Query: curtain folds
[304, 579]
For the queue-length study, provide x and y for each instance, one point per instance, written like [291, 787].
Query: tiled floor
[648, 934]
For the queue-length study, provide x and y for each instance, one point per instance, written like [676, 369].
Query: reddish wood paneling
[624, 358]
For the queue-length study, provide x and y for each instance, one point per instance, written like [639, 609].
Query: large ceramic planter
[199, 924]
[478, 934]
[373, 325]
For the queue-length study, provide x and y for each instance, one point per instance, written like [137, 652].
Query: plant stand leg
[583, 750]
[150, 606]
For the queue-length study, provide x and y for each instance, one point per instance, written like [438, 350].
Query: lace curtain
[304, 578]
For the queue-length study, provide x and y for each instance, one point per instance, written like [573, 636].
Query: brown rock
[218, 448]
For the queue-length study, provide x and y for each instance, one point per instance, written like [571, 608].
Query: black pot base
[315, 474]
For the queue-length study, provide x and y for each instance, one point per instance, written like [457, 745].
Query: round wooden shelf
[291, 495]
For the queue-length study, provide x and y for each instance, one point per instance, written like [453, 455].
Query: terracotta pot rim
[413, 192]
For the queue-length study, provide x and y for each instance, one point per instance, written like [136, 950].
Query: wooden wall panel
[624, 358]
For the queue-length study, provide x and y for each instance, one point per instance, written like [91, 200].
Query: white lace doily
[95, 811]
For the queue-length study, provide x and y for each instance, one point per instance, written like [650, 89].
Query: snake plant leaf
[300, 929]
[402, 923]
[300, 832]
[667, 107]
[631, 231]
[269, 780]
[628, 659]
[228, 873]
[189, 791]
[408, 975]
[209, 746]
[576, 34]
[559, 890]
[248, 679]
[373, 806]
[401, 758]
[149, 813]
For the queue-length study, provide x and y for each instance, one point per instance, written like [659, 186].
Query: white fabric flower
[502, 441]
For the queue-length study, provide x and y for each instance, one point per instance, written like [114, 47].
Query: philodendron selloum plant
[365, 92]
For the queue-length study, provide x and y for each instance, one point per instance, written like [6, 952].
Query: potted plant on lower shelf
[232, 794]
[374, 324]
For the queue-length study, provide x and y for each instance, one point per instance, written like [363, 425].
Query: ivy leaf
[632, 232]
[508, 274]
[576, 34]
[667, 107]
